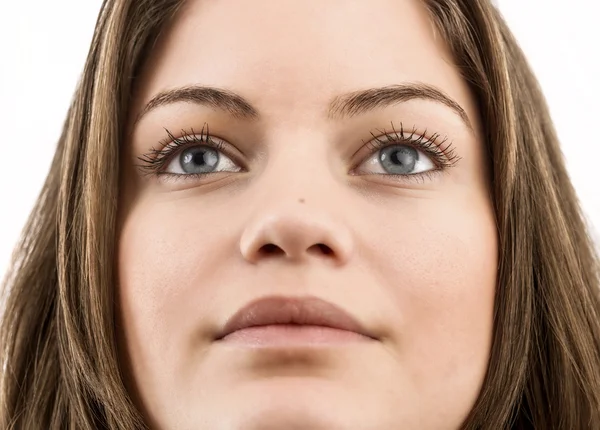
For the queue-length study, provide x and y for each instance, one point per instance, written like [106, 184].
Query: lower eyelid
[223, 147]
[401, 180]
[431, 158]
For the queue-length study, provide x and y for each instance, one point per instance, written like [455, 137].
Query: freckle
[301, 200]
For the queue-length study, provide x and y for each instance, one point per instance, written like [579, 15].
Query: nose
[296, 231]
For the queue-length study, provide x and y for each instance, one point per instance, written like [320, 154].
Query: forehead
[293, 56]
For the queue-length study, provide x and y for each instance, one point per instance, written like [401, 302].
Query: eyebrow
[362, 101]
[341, 107]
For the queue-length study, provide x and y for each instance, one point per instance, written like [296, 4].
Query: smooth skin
[413, 258]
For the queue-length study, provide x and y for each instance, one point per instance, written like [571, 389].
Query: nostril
[324, 249]
[270, 249]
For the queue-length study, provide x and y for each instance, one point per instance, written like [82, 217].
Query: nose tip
[295, 235]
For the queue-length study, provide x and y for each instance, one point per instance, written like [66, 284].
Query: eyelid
[441, 153]
[388, 141]
[157, 159]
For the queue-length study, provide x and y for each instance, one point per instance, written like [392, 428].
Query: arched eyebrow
[341, 107]
[217, 98]
[362, 101]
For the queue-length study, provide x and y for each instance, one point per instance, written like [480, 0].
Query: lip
[288, 315]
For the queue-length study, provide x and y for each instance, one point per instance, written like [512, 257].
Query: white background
[43, 45]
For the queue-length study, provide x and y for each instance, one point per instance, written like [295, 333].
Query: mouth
[292, 334]
[284, 321]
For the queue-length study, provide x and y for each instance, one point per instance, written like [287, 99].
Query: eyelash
[155, 161]
[442, 153]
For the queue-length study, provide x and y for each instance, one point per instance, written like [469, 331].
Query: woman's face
[298, 201]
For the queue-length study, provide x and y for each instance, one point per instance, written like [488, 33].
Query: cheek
[440, 268]
[167, 258]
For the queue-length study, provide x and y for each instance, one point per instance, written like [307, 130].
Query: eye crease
[398, 154]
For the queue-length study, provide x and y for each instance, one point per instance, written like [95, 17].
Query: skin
[414, 260]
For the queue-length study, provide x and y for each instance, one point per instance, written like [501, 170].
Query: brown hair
[57, 335]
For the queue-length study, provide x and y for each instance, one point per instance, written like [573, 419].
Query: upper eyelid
[218, 143]
[412, 135]
[190, 137]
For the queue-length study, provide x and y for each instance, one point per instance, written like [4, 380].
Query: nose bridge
[298, 155]
[299, 176]
[296, 213]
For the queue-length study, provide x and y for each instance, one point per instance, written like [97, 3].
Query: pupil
[399, 159]
[199, 160]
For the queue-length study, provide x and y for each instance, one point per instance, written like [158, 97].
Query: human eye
[190, 156]
[407, 155]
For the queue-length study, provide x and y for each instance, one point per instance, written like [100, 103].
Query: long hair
[58, 348]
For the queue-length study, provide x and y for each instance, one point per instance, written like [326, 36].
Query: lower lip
[290, 335]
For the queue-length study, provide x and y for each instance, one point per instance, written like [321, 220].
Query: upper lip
[292, 310]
